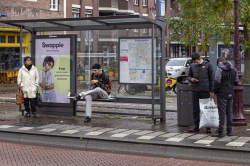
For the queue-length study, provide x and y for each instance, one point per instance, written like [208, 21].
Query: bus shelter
[74, 44]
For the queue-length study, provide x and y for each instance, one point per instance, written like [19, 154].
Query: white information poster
[135, 60]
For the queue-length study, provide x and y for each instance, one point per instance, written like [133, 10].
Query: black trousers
[225, 111]
[30, 105]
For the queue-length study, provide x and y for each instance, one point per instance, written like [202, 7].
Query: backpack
[109, 87]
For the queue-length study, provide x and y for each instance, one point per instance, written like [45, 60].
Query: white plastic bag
[209, 116]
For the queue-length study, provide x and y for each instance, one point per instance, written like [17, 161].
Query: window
[2, 39]
[88, 12]
[136, 2]
[54, 5]
[145, 30]
[144, 2]
[11, 39]
[18, 39]
[135, 30]
[75, 12]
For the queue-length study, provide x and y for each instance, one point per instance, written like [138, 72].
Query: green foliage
[81, 72]
[107, 116]
[201, 20]
[118, 117]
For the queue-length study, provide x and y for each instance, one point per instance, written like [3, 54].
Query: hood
[225, 66]
[204, 62]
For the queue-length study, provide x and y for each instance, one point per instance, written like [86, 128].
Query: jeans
[93, 94]
[225, 109]
[196, 106]
[30, 104]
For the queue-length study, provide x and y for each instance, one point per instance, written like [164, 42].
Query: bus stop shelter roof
[86, 23]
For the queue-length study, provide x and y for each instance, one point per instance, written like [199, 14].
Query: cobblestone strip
[151, 135]
[124, 134]
[98, 132]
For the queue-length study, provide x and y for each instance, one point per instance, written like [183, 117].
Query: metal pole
[168, 52]
[21, 46]
[238, 114]
[89, 55]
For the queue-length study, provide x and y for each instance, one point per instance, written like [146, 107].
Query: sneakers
[219, 135]
[27, 115]
[193, 129]
[34, 115]
[87, 119]
[208, 130]
[77, 97]
[229, 133]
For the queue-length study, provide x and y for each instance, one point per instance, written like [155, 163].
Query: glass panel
[78, 23]
[9, 58]
[2, 39]
[11, 39]
[37, 24]
[123, 20]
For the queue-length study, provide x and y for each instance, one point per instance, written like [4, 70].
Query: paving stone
[118, 131]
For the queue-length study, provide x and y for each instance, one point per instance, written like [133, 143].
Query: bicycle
[132, 89]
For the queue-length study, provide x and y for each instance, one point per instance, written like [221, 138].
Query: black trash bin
[184, 102]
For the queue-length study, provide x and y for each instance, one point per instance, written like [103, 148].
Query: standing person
[46, 81]
[28, 80]
[201, 75]
[98, 89]
[226, 77]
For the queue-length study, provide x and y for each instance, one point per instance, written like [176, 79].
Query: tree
[244, 17]
[200, 20]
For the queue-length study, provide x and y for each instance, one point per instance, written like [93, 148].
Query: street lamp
[238, 114]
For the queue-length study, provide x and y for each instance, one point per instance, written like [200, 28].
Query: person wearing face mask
[28, 81]
[201, 76]
[98, 89]
[46, 81]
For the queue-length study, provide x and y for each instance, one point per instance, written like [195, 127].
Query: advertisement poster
[135, 60]
[52, 59]
[228, 52]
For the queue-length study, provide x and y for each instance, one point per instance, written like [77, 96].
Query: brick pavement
[16, 154]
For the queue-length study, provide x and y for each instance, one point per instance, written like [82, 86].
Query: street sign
[3, 14]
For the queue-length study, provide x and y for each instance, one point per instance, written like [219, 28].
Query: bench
[109, 99]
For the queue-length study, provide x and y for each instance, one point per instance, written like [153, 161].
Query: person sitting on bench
[98, 89]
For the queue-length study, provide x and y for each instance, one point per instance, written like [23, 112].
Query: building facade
[94, 42]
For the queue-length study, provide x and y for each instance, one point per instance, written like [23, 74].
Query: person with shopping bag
[201, 76]
[226, 77]
[27, 80]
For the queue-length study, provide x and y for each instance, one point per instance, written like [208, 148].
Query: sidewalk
[114, 132]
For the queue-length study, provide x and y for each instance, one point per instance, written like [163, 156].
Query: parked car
[177, 66]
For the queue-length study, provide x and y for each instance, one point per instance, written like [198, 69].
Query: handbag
[209, 116]
[38, 100]
[19, 97]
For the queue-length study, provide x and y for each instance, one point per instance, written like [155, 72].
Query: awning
[86, 23]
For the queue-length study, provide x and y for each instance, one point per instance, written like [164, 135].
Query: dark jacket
[205, 74]
[102, 80]
[226, 77]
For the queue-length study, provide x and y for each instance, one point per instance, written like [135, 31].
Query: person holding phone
[98, 89]
[46, 81]
[201, 76]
